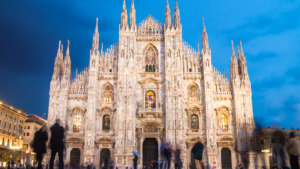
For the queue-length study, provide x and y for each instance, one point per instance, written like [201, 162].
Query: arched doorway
[75, 158]
[104, 154]
[226, 158]
[150, 151]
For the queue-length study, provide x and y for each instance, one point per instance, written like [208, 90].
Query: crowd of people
[167, 150]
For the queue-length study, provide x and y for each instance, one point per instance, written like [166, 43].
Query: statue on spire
[204, 38]
[132, 15]
[124, 16]
[167, 16]
[95, 46]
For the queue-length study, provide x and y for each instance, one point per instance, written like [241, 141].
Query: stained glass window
[195, 122]
[193, 97]
[150, 101]
[223, 122]
[106, 122]
[76, 123]
[150, 61]
[107, 94]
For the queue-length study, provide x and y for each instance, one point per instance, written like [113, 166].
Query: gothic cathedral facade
[149, 88]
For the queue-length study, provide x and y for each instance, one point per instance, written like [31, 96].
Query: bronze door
[226, 158]
[150, 151]
[104, 154]
[75, 158]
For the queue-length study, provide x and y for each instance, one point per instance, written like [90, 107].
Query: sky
[270, 31]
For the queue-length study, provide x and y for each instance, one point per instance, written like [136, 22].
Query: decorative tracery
[150, 27]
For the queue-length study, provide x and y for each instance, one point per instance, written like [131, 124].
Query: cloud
[264, 25]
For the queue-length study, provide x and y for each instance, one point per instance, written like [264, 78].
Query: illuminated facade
[12, 121]
[151, 87]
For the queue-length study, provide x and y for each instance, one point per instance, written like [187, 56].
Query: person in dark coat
[177, 161]
[39, 144]
[198, 152]
[168, 153]
[135, 160]
[57, 144]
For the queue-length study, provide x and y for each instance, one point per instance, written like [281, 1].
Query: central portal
[150, 151]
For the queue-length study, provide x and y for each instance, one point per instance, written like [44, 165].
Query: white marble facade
[106, 105]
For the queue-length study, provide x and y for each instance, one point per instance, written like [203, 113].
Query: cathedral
[149, 88]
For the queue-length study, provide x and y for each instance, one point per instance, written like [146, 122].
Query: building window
[9, 126]
[76, 123]
[273, 140]
[28, 127]
[4, 124]
[0, 122]
[27, 134]
[150, 100]
[24, 134]
[193, 94]
[7, 143]
[14, 127]
[106, 122]
[223, 121]
[6, 115]
[3, 141]
[194, 122]
[150, 61]
[107, 93]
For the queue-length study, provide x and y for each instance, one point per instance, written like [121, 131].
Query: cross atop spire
[124, 5]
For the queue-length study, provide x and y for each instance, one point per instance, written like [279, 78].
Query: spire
[167, 16]
[242, 52]
[95, 46]
[204, 38]
[132, 15]
[102, 48]
[232, 50]
[124, 16]
[68, 49]
[176, 16]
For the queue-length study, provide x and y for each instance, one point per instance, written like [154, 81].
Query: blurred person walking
[168, 153]
[177, 162]
[293, 151]
[198, 152]
[111, 163]
[39, 144]
[57, 144]
[135, 160]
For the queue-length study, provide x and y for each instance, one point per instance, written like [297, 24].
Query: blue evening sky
[269, 29]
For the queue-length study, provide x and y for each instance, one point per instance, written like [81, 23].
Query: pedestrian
[39, 144]
[293, 151]
[18, 164]
[27, 162]
[135, 160]
[8, 165]
[167, 153]
[111, 163]
[57, 144]
[198, 151]
[105, 164]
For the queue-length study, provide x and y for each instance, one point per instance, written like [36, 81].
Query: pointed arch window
[193, 94]
[194, 122]
[150, 59]
[223, 121]
[107, 93]
[77, 123]
[106, 122]
[150, 100]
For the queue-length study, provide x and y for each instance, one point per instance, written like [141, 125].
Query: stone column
[68, 150]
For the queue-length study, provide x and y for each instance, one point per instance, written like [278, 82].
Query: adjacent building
[32, 124]
[12, 121]
[150, 87]
[271, 146]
